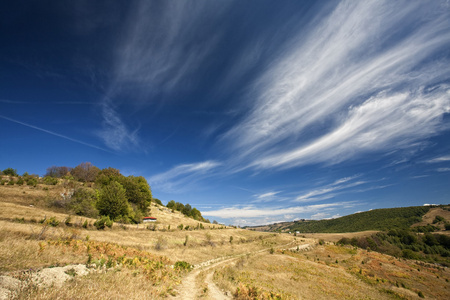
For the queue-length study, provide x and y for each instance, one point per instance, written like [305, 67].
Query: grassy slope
[327, 272]
[377, 219]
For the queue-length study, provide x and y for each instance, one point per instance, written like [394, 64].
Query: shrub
[82, 203]
[438, 219]
[182, 265]
[447, 226]
[52, 222]
[50, 180]
[20, 181]
[102, 222]
[31, 181]
[10, 172]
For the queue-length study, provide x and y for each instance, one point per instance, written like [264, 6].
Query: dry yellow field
[137, 261]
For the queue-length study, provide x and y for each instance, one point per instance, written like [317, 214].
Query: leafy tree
[187, 210]
[171, 204]
[107, 175]
[85, 172]
[156, 200]
[137, 191]
[179, 206]
[10, 172]
[196, 214]
[112, 201]
[83, 202]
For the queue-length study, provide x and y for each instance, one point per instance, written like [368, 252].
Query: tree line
[115, 197]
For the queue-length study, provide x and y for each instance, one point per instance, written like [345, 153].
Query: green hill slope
[377, 219]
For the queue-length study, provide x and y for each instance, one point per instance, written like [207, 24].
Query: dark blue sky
[251, 111]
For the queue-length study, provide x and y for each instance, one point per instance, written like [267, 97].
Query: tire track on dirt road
[189, 290]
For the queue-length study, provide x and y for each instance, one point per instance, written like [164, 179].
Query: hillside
[46, 253]
[377, 219]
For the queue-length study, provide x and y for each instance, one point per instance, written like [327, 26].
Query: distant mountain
[377, 219]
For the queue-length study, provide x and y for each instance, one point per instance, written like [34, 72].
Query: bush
[82, 203]
[182, 265]
[10, 172]
[438, 219]
[20, 181]
[102, 222]
[50, 180]
[31, 181]
[52, 222]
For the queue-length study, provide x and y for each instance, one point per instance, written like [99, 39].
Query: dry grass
[291, 277]
[140, 258]
[115, 284]
[332, 272]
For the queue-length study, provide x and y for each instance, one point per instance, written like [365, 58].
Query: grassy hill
[377, 219]
[153, 260]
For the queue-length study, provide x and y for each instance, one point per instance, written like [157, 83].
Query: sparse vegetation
[243, 263]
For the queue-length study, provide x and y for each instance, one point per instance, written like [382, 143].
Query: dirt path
[189, 289]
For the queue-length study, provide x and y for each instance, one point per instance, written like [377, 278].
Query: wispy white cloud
[443, 169]
[381, 123]
[182, 176]
[265, 197]
[353, 83]
[115, 133]
[157, 53]
[445, 158]
[329, 191]
[254, 212]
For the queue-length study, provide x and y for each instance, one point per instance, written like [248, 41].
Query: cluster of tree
[84, 172]
[124, 199]
[120, 198]
[408, 244]
[186, 210]
[377, 219]
[9, 172]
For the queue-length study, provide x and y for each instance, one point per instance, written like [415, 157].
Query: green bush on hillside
[377, 219]
[103, 222]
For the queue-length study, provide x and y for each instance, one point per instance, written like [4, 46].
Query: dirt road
[191, 288]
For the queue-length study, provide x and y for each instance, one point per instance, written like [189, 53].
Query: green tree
[171, 204]
[112, 201]
[10, 171]
[137, 191]
[107, 175]
[83, 203]
[187, 210]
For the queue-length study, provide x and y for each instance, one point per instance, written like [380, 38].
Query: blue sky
[252, 111]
